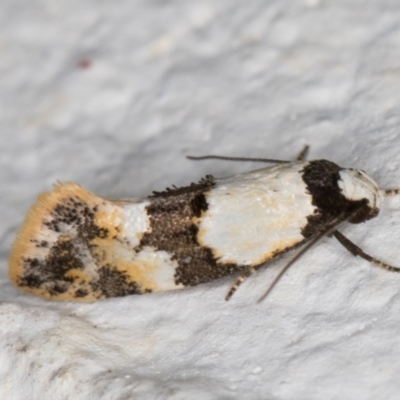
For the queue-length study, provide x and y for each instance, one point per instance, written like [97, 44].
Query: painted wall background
[113, 95]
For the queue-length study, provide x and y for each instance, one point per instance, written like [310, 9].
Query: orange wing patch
[74, 245]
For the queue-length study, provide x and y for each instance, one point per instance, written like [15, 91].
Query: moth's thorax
[356, 185]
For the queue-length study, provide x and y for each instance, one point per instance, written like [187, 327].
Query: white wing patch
[357, 185]
[157, 268]
[135, 222]
[252, 216]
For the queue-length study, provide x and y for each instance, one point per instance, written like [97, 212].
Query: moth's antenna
[295, 258]
[252, 270]
[344, 241]
[301, 157]
[264, 160]
[331, 229]
[356, 251]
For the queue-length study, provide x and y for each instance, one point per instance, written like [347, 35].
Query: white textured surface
[112, 94]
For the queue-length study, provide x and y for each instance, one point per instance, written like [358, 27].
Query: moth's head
[357, 186]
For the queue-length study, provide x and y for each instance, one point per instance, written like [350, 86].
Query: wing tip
[32, 236]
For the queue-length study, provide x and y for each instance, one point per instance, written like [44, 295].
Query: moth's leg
[356, 251]
[303, 154]
[249, 271]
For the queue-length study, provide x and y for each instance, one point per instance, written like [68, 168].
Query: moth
[75, 245]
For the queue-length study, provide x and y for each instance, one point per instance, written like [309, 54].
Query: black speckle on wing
[202, 185]
[52, 271]
[71, 215]
[114, 283]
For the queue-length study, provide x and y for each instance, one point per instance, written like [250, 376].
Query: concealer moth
[75, 245]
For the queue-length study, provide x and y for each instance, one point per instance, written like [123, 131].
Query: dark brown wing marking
[64, 255]
[321, 178]
[174, 227]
